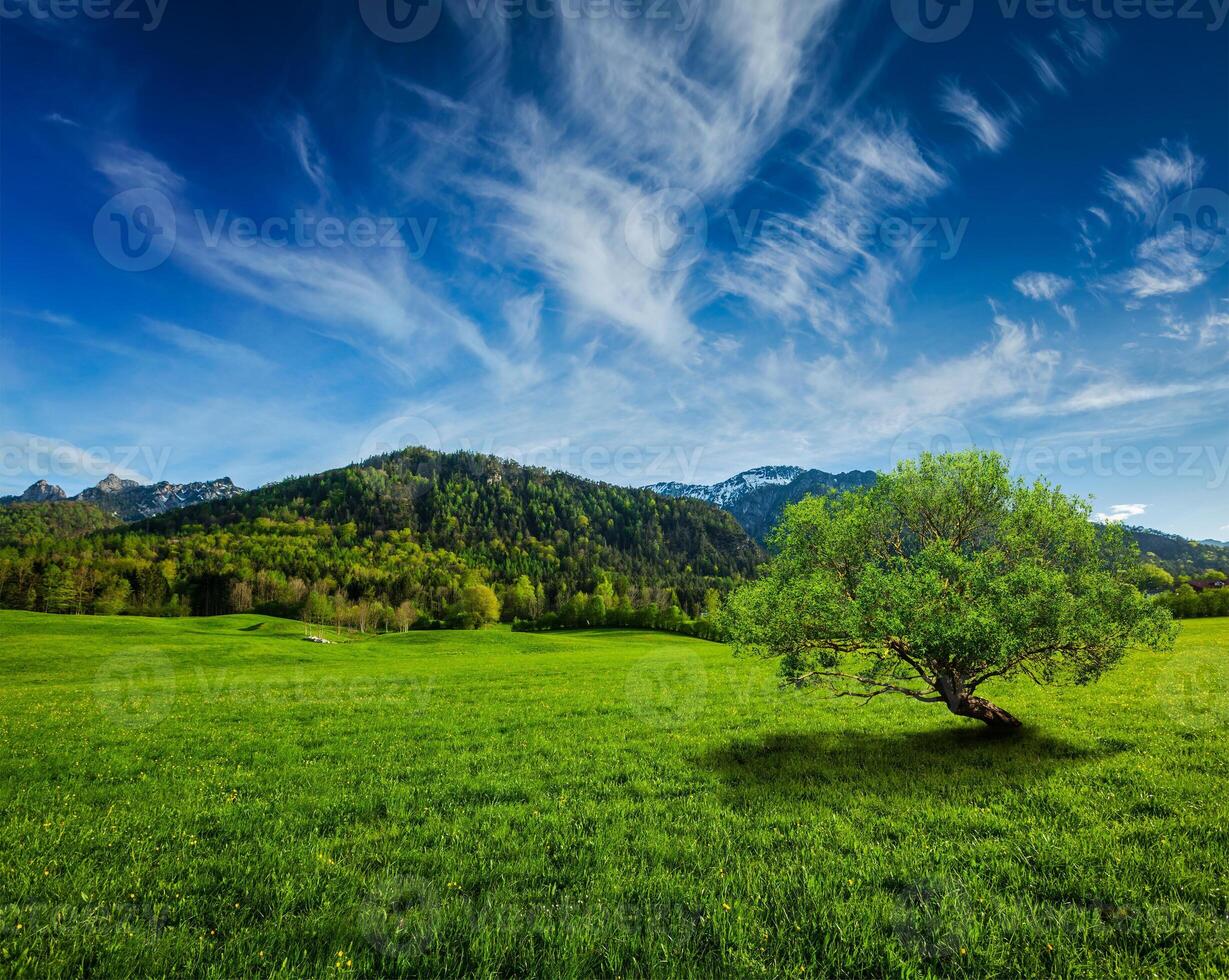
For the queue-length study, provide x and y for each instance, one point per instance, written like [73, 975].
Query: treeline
[1185, 603]
[412, 540]
[606, 609]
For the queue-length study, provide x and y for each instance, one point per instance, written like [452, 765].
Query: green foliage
[478, 605]
[410, 527]
[216, 797]
[1154, 579]
[1185, 603]
[944, 575]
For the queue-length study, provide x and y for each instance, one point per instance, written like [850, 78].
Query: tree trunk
[966, 705]
[983, 710]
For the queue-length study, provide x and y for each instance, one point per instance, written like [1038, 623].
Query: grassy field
[217, 797]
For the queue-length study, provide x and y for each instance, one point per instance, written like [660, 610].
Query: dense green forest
[1179, 555]
[411, 539]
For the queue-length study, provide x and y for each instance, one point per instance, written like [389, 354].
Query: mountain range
[415, 528]
[459, 512]
[756, 498]
[129, 500]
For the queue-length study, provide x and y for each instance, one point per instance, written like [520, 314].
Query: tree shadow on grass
[944, 762]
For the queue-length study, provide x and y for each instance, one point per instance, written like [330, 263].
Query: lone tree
[945, 574]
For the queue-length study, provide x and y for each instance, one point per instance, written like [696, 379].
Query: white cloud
[830, 266]
[127, 167]
[1083, 42]
[1119, 513]
[39, 457]
[307, 151]
[1116, 392]
[1046, 73]
[391, 300]
[1166, 265]
[1042, 285]
[205, 345]
[1153, 179]
[991, 130]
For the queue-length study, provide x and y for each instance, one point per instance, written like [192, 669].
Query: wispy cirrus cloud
[207, 346]
[1042, 285]
[1165, 265]
[828, 266]
[308, 153]
[1152, 179]
[991, 130]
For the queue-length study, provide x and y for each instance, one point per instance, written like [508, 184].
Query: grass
[217, 797]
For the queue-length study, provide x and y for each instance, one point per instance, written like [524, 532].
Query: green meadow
[217, 797]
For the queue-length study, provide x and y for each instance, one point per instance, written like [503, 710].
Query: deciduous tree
[943, 576]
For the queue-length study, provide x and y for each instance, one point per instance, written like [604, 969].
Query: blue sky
[641, 240]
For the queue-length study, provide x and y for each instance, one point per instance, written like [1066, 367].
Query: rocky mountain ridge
[756, 498]
[129, 500]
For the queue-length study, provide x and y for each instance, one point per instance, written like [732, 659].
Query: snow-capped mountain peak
[757, 497]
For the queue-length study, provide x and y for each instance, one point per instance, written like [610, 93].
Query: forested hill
[505, 516]
[413, 527]
[1179, 555]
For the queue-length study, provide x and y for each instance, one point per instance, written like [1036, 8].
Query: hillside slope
[412, 526]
